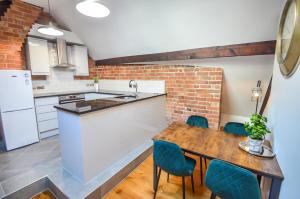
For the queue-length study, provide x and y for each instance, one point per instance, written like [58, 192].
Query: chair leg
[205, 162]
[192, 179]
[201, 173]
[183, 188]
[259, 179]
[156, 184]
[168, 177]
[213, 196]
[154, 175]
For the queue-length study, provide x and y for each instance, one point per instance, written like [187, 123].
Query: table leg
[201, 173]
[275, 189]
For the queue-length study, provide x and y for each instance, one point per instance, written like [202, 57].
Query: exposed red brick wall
[14, 27]
[191, 90]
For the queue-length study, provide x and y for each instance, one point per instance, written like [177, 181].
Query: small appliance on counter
[18, 125]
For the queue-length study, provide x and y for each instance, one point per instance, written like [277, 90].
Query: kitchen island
[97, 134]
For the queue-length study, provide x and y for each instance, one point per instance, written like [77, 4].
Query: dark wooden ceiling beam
[247, 49]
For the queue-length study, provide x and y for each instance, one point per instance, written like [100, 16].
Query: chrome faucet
[133, 84]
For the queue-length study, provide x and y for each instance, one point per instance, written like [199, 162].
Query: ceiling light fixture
[92, 8]
[50, 29]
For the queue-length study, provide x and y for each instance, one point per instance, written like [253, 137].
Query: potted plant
[257, 130]
[96, 83]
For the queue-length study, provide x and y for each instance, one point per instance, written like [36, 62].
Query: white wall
[151, 26]
[284, 117]
[240, 76]
[232, 118]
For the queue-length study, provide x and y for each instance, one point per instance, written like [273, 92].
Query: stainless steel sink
[126, 97]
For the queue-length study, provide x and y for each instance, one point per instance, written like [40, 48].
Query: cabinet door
[37, 55]
[47, 125]
[46, 101]
[70, 55]
[80, 60]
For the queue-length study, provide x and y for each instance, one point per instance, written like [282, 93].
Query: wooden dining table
[216, 144]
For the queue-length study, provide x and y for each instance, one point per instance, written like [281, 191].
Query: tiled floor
[22, 160]
[21, 167]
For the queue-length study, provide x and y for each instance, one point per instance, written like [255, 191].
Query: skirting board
[120, 176]
[50, 133]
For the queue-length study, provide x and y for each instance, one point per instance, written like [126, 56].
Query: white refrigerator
[18, 125]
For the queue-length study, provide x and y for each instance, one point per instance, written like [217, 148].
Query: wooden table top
[215, 144]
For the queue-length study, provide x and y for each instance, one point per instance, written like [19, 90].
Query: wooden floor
[45, 195]
[139, 185]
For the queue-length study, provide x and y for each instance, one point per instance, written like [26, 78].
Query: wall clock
[288, 39]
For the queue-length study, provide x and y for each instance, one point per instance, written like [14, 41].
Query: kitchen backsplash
[145, 86]
[61, 80]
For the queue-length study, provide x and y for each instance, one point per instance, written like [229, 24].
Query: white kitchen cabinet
[94, 96]
[48, 125]
[80, 60]
[46, 101]
[70, 55]
[37, 56]
[45, 109]
[46, 116]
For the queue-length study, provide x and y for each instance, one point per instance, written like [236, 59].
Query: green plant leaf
[257, 128]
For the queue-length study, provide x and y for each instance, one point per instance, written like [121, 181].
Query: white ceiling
[151, 26]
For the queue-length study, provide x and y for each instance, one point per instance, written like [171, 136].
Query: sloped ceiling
[151, 26]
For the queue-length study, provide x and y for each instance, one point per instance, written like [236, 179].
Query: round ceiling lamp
[92, 8]
[50, 29]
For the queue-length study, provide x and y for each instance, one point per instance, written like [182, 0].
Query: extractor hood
[62, 55]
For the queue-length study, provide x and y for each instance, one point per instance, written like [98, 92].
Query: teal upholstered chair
[169, 157]
[231, 182]
[196, 120]
[235, 128]
[199, 121]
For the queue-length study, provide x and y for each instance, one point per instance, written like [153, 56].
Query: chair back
[196, 120]
[235, 128]
[231, 182]
[169, 157]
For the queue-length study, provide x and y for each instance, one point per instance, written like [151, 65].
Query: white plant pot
[255, 145]
[96, 86]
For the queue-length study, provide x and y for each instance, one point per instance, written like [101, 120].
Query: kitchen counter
[84, 107]
[96, 134]
[62, 93]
